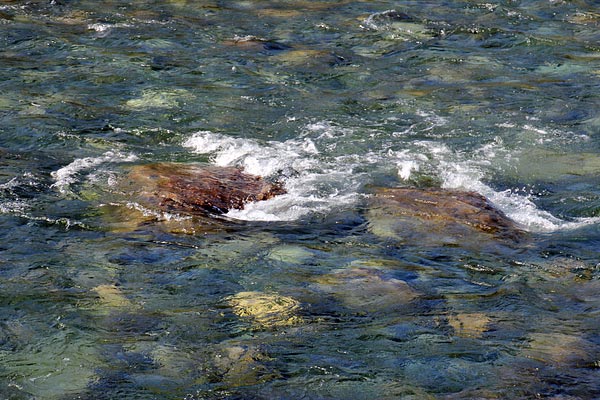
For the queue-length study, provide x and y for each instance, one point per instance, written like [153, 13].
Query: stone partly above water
[239, 364]
[437, 216]
[183, 198]
[196, 189]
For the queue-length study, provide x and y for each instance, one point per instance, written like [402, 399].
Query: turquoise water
[102, 298]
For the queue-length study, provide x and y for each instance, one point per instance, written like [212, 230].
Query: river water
[334, 99]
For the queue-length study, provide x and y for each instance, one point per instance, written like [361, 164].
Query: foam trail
[313, 182]
[467, 172]
[519, 208]
[319, 183]
[255, 158]
[67, 175]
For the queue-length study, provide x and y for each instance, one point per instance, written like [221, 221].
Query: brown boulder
[196, 189]
[444, 215]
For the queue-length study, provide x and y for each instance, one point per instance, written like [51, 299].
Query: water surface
[102, 298]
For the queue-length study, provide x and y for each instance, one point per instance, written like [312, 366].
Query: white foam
[264, 160]
[67, 175]
[99, 27]
[469, 175]
[407, 162]
[318, 182]
[159, 215]
[104, 29]
[13, 207]
[314, 183]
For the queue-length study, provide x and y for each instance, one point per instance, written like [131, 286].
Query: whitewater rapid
[318, 183]
[319, 178]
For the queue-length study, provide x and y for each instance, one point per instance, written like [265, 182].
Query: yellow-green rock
[561, 349]
[265, 310]
[112, 297]
[159, 99]
[290, 254]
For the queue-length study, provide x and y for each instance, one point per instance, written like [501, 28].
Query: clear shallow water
[334, 99]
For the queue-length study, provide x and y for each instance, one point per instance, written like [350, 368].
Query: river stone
[278, 13]
[250, 42]
[310, 60]
[469, 325]
[290, 254]
[265, 310]
[159, 99]
[243, 365]
[111, 297]
[195, 189]
[437, 216]
[366, 289]
[562, 349]
[536, 165]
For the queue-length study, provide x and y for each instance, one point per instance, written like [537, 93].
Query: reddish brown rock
[199, 190]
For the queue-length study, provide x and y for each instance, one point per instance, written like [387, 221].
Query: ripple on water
[316, 293]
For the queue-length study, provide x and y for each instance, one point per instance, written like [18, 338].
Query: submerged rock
[366, 289]
[561, 349]
[111, 297]
[469, 325]
[198, 190]
[159, 99]
[536, 165]
[310, 60]
[266, 310]
[241, 364]
[255, 43]
[437, 216]
[290, 254]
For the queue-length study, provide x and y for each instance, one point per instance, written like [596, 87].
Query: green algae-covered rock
[290, 254]
[159, 99]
